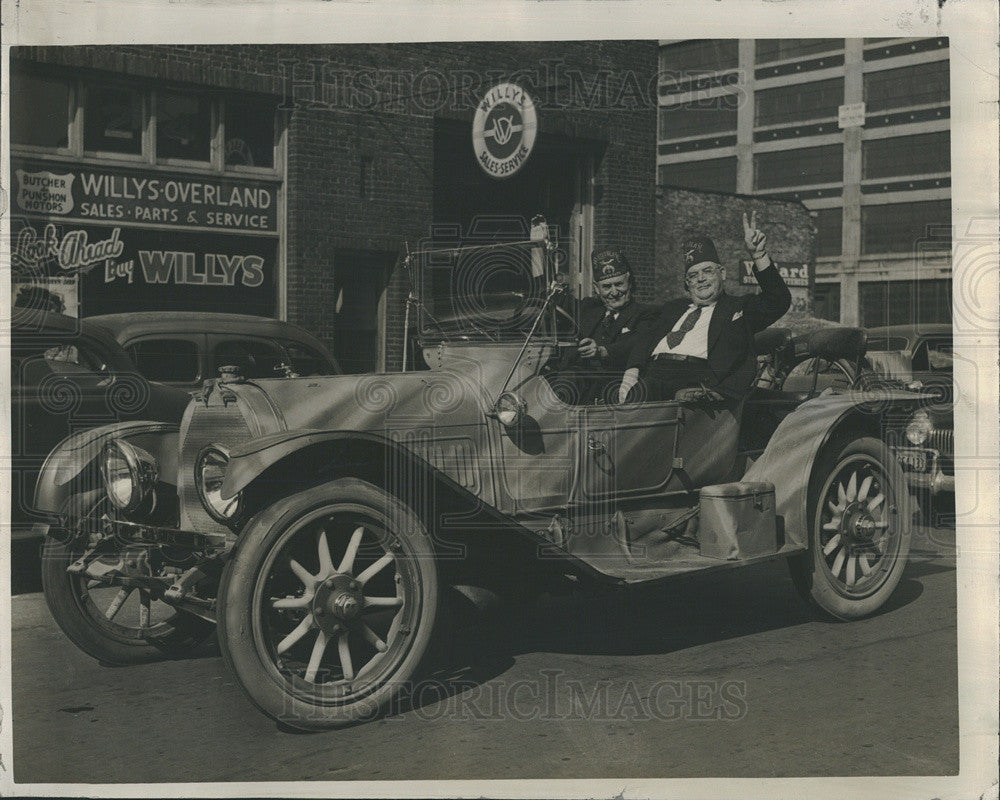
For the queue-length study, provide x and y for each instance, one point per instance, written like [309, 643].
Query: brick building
[856, 129]
[284, 180]
[791, 241]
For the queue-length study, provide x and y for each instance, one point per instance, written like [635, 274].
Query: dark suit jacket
[632, 320]
[731, 355]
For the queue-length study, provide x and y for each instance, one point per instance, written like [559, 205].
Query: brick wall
[680, 213]
[373, 118]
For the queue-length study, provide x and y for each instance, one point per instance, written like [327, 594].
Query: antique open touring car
[323, 522]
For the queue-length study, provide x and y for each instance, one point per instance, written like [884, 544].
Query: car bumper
[922, 468]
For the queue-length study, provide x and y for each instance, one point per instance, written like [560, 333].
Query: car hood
[459, 389]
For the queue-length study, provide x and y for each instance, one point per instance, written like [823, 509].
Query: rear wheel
[329, 604]
[860, 515]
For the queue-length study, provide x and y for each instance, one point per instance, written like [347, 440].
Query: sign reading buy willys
[123, 196]
[503, 130]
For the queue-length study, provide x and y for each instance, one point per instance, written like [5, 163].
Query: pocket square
[736, 316]
[626, 330]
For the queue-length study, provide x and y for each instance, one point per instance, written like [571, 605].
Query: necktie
[604, 328]
[674, 338]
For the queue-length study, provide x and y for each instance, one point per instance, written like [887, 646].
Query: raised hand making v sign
[706, 339]
[755, 239]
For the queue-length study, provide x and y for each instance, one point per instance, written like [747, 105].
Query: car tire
[317, 629]
[860, 520]
[81, 611]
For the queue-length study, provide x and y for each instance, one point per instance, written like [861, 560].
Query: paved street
[717, 675]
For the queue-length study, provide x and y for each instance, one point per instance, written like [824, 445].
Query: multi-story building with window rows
[856, 129]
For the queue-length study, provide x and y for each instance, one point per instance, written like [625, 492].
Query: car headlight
[209, 473]
[919, 428]
[130, 475]
[510, 409]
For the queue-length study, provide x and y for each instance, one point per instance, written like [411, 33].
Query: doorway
[556, 182]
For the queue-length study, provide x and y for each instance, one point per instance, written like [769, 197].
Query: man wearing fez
[609, 323]
[703, 346]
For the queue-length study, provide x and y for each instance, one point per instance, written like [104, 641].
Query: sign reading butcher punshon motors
[503, 130]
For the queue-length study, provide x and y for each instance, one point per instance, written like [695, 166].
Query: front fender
[71, 469]
[477, 544]
[788, 459]
[249, 461]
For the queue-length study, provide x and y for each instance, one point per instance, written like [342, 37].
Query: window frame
[109, 155]
[80, 84]
[790, 123]
[796, 152]
[798, 56]
[878, 68]
[195, 339]
[938, 246]
[73, 113]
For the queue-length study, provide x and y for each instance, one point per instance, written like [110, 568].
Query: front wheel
[328, 605]
[102, 612]
[860, 515]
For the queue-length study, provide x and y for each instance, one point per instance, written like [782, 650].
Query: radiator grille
[943, 442]
[222, 425]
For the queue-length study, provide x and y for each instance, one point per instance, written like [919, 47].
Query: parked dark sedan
[920, 357]
[68, 375]
[184, 348]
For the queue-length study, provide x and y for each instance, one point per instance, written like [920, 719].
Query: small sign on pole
[851, 115]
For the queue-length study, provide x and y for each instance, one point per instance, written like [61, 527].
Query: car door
[627, 451]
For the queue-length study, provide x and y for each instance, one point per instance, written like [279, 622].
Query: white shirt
[695, 341]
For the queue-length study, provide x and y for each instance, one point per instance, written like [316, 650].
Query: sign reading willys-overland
[123, 196]
[503, 130]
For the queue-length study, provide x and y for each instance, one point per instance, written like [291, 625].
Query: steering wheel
[574, 325]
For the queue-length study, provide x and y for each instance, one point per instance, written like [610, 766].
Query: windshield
[490, 292]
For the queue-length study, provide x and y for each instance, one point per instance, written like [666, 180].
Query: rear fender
[474, 543]
[791, 453]
[71, 471]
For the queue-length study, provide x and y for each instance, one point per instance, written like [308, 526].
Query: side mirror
[510, 409]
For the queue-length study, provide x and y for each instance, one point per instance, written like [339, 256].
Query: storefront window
[112, 120]
[183, 126]
[42, 111]
[249, 132]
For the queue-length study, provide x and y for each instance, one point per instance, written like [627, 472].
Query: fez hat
[698, 249]
[609, 263]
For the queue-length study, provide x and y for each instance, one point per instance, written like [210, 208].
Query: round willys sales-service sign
[503, 130]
